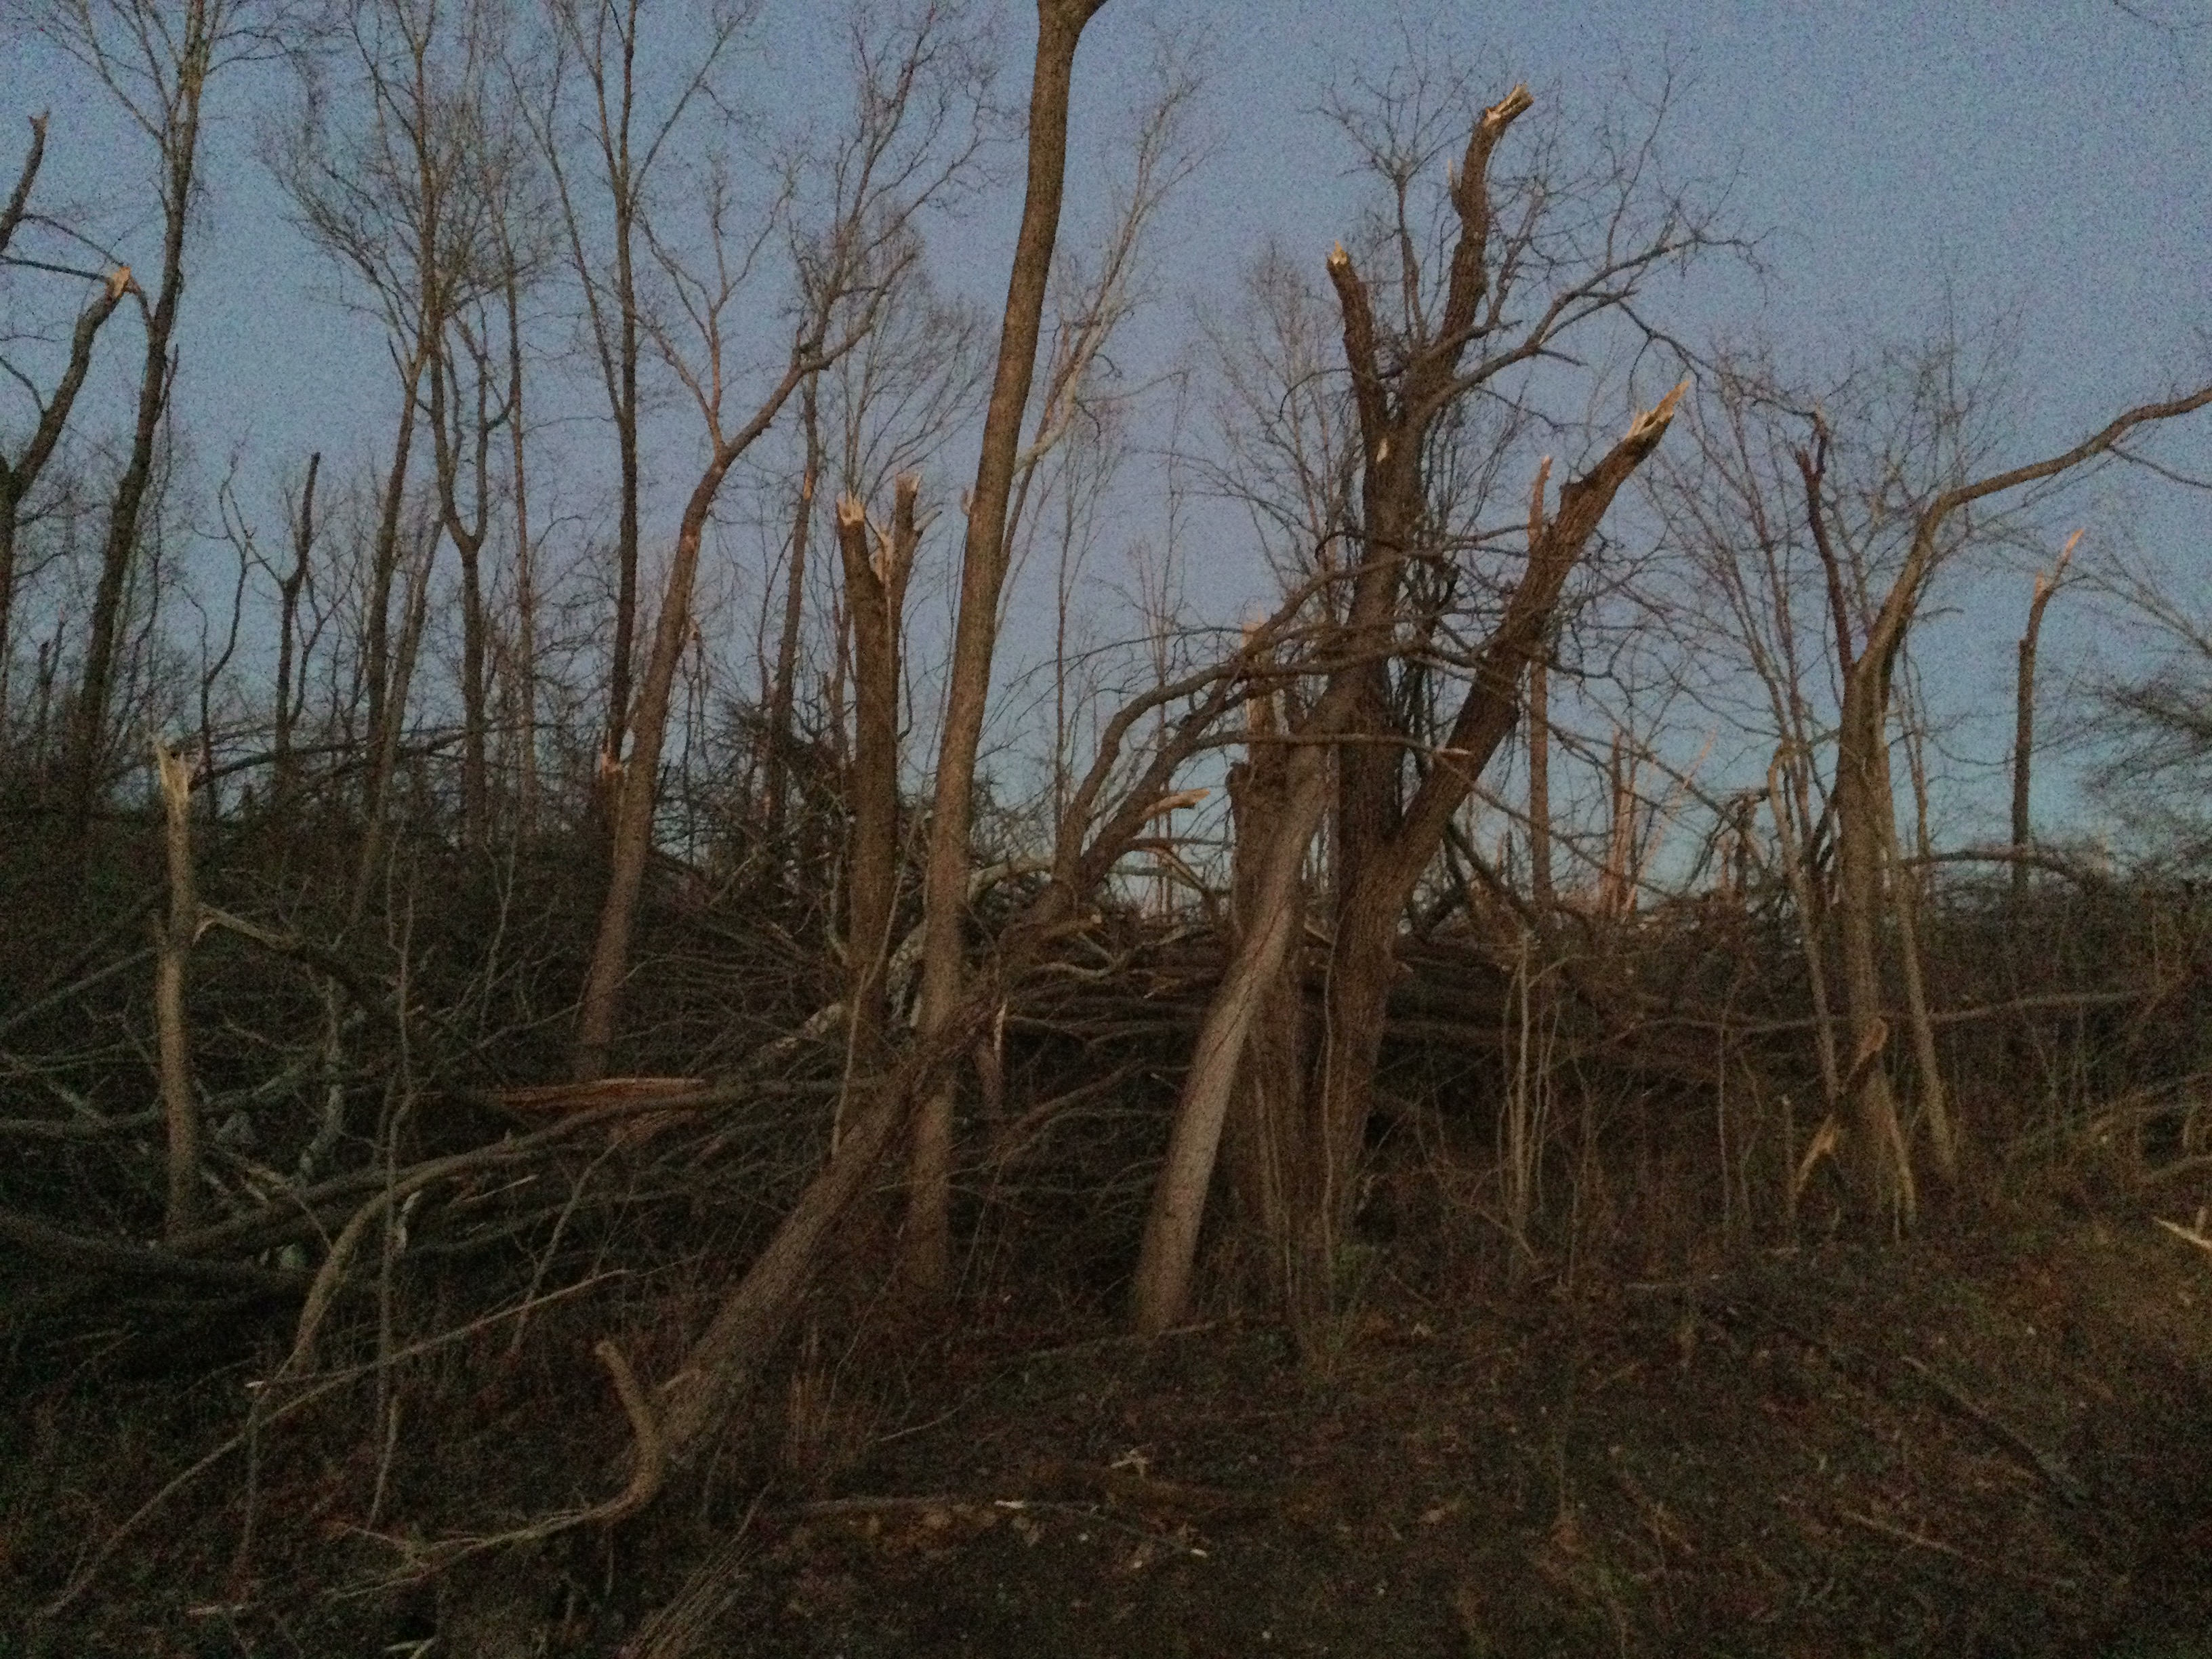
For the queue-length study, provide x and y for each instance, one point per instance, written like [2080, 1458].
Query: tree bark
[1263, 1131]
[1539, 784]
[2023, 740]
[174, 939]
[468, 539]
[927, 1261]
[284, 779]
[525, 574]
[875, 599]
[777, 740]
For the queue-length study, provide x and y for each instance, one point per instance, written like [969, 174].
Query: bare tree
[1881, 1160]
[155, 60]
[1443, 343]
[20, 474]
[1060, 23]
[624, 138]
[916, 128]
[395, 174]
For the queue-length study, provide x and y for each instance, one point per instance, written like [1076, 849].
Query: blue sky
[2050, 161]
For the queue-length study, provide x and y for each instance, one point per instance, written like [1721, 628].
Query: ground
[1999, 1442]
[1966, 1449]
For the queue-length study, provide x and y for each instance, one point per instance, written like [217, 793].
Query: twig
[258, 1421]
[676, 1630]
[1922, 1541]
[2046, 1464]
[45, 999]
[645, 1482]
[1086, 1510]
[146, 1260]
[2189, 1234]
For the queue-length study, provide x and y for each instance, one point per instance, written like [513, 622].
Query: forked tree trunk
[1381, 849]
[928, 1262]
[1263, 1131]
[1364, 961]
[1880, 1160]
[16, 477]
[640, 782]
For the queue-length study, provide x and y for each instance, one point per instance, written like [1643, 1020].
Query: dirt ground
[1989, 1445]
[1976, 1449]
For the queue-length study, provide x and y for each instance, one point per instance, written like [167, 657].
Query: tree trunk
[641, 775]
[625, 412]
[1934, 1098]
[386, 739]
[526, 575]
[639, 791]
[2023, 741]
[875, 597]
[1263, 1130]
[179, 157]
[1880, 1160]
[174, 941]
[928, 1251]
[1539, 784]
[384, 570]
[284, 784]
[1265, 934]
[468, 539]
[776, 741]
[16, 479]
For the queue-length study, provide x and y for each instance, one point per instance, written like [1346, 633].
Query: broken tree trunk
[875, 597]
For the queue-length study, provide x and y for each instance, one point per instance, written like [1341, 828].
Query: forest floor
[1993, 1443]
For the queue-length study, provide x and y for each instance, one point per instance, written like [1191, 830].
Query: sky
[2047, 162]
